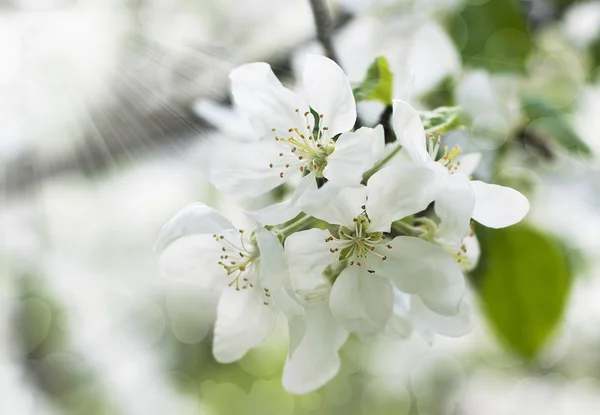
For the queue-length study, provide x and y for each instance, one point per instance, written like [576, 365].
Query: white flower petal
[287, 302]
[362, 303]
[196, 218]
[432, 56]
[275, 214]
[409, 131]
[336, 205]
[454, 206]
[296, 332]
[355, 153]
[308, 255]
[194, 259]
[316, 360]
[282, 212]
[329, 93]
[273, 266]
[400, 158]
[471, 244]
[450, 326]
[418, 267]
[498, 206]
[243, 322]
[468, 163]
[244, 169]
[399, 325]
[261, 97]
[398, 191]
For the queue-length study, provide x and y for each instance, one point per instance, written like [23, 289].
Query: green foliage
[492, 35]
[595, 58]
[440, 120]
[442, 94]
[545, 121]
[523, 280]
[377, 85]
[52, 362]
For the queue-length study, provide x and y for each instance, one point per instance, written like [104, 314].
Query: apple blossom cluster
[356, 248]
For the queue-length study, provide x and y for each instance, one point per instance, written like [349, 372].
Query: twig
[324, 26]
[155, 129]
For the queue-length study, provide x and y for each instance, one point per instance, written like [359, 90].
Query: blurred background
[108, 111]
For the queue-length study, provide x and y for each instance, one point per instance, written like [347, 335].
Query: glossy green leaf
[547, 122]
[492, 35]
[523, 280]
[377, 85]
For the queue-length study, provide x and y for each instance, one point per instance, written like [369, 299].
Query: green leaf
[492, 35]
[545, 121]
[377, 85]
[440, 120]
[523, 281]
[594, 49]
[440, 95]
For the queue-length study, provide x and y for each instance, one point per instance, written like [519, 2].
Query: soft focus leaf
[547, 122]
[377, 85]
[523, 280]
[595, 57]
[442, 94]
[492, 35]
[440, 119]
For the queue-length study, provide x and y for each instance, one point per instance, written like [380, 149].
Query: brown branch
[324, 26]
[136, 125]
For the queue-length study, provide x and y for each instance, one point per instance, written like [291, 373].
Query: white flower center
[303, 149]
[358, 244]
[241, 261]
[447, 159]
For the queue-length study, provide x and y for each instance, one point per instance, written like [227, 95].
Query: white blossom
[409, 313]
[362, 297]
[457, 197]
[200, 246]
[299, 134]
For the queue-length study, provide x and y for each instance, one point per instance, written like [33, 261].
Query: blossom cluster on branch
[372, 241]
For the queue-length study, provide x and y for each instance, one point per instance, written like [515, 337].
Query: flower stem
[381, 163]
[302, 222]
[406, 229]
[430, 227]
